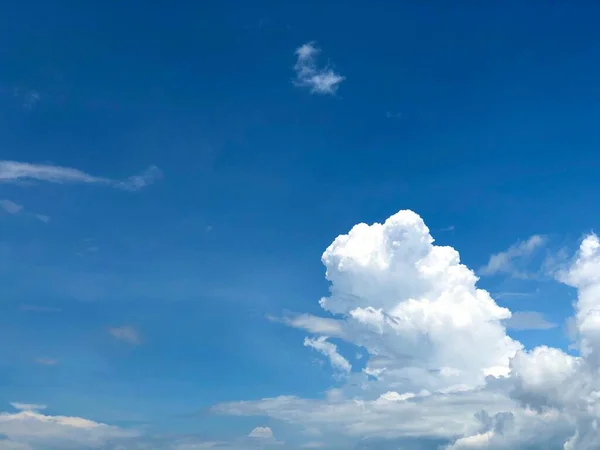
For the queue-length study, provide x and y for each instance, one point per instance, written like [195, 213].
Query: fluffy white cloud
[14, 171]
[319, 80]
[440, 364]
[504, 262]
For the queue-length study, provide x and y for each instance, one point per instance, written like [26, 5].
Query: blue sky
[171, 175]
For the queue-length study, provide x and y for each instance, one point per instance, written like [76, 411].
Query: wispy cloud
[126, 333]
[10, 207]
[318, 79]
[504, 262]
[28, 98]
[330, 350]
[39, 309]
[14, 171]
[528, 320]
[27, 406]
[46, 361]
[13, 208]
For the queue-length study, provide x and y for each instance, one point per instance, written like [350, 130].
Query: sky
[289, 225]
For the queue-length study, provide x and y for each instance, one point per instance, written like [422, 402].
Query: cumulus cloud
[126, 333]
[504, 262]
[440, 366]
[318, 79]
[13, 171]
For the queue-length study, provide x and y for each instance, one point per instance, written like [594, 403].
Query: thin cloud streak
[14, 171]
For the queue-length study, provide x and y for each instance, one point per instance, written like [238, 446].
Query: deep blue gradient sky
[482, 117]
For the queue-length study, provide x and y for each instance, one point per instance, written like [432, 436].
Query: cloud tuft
[318, 79]
[126, 333]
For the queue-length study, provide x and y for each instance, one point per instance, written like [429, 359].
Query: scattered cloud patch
[42, 218]
[126, 333]
[28, 98]
[318, 79]
[261, 433]
[13, 208]
[528, 320]
[314, 324]
[505, 262]
[13, 171]
[10, 207]
[394, 115]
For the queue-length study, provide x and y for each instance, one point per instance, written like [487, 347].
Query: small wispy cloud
[318, 79]
[27, 406]
[330, 350]
[261, 433]
[504, 262]
[14, 171]
[528, 320]
[13, 208]
[28, 98]
[46, 361]
[126, 333]
[10, 207]
[39, 309]
[394, 115]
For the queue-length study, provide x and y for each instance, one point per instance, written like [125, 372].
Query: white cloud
[13, 171]
[261, 433]
[126, 333]
[27, 406]
[318, 79]
[10, 207]
[504, 262]
[29, 429]
[315, 324]
[13, 208]
[330, 350]
[439, 362]
[528, 320]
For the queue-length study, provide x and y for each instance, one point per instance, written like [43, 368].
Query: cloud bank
[441, 368]
[13, 171]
